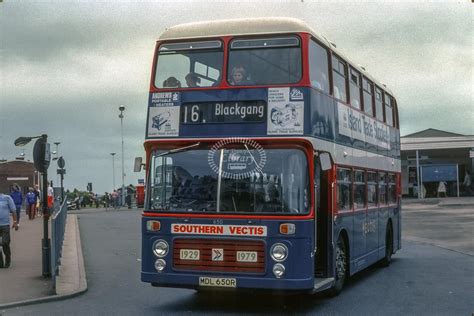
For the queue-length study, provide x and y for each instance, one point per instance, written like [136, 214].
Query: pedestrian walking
[106, 199]
[50, 196]
[115, 196]
[38, 208]
[31, 201]
[17, 198]
[7, 207]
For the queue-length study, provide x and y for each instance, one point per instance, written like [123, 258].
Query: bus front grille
[209, 259]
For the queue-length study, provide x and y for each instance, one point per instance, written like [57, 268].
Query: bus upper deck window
[354, 88]
[368, 91]
[189, 64]
[318, 63]
[339, 79]
[388, 109]
[378, 104]
[265, 61]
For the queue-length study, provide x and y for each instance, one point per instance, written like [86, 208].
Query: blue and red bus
[272, 160]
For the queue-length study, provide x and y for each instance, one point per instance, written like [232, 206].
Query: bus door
[323, 217]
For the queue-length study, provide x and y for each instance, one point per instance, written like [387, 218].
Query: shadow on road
[264, 303]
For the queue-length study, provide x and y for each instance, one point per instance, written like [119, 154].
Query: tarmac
[23, 283]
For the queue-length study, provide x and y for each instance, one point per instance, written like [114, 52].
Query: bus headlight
[160, 265]
[279, 252]
[278, 270]
[160, 248]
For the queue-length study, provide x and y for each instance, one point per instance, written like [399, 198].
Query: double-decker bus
[272, 160]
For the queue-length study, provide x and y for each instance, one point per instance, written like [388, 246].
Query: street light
[121, 109]
[113, 170]
[41, 158]
[56, 158]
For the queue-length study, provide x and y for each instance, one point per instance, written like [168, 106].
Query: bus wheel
[388, 247]
[341, 267]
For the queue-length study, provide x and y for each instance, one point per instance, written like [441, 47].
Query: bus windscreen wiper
[253, 159]
[178, 150]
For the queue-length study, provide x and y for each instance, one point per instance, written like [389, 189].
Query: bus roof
[254, 26]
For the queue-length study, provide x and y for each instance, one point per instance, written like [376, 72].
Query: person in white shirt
[442, 188]
[467, 183]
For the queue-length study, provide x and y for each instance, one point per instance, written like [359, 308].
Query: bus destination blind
[223, 112]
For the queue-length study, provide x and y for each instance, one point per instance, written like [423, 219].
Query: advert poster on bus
[285, 111]
[163, 116]
[362, 127]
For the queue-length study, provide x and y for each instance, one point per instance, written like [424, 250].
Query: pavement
[23, 283]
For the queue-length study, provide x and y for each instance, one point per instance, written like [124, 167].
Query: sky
[66, 67]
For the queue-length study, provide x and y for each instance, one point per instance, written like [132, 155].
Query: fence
[58, 228]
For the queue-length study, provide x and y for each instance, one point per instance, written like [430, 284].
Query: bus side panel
[359, 238]
[397, 223]
[384, 214]
[345, 223]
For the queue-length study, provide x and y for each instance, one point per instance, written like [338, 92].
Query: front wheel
[341, 269]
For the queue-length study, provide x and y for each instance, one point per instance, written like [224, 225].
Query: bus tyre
[388, 246]
[341, 265]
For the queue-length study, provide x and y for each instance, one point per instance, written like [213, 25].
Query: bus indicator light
[153, 226]
[287, 229]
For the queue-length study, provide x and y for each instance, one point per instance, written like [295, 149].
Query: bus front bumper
[192, 281]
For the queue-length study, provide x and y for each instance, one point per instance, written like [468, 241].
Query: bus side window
[368, 91]
[319, 69]
[392, 189]
[378, 104]
[388, 109]
[359, 189]
[344, 189]
[339, 79]
[372, 188]
[382, 188]
[354, 88]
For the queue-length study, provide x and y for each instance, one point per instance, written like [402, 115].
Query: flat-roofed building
[432, 156]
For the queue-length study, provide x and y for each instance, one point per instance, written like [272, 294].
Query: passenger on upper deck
[171, 82]
[239, 76]
[192, 80]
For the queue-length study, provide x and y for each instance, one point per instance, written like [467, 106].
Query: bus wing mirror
[138, 164]
[325, 161]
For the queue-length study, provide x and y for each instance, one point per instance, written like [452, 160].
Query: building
[17, 171]
[433, 156]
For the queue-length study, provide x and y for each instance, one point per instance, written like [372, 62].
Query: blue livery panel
[267, 112]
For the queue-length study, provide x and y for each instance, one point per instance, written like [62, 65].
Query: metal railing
[58, 228]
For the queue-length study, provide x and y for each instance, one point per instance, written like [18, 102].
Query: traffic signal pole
[46, 242]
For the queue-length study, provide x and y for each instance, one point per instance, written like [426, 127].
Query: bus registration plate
[247, 256]
[189, 254]
[217, 282]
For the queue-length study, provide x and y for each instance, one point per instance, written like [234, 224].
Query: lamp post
[41, 158]
[113, 170]
[121, 109]
[56, 158]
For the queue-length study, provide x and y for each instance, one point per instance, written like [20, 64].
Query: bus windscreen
[233, 180]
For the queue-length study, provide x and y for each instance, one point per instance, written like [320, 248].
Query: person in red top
[114, 196]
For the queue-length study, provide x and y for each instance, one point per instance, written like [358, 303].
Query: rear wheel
[341, 267]
[388, 246]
